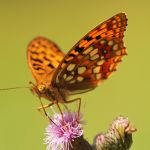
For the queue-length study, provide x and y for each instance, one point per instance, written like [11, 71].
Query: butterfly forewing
[43, 57]
[93, 58]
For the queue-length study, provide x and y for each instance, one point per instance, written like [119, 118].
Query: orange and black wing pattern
[43, 57]
[93, 58]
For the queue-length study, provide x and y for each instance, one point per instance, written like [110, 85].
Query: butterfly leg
[60, 111]
[65, 107]
[47, 106]
[79, 105]
[43, 108]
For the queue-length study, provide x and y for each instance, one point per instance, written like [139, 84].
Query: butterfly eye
[41, 87]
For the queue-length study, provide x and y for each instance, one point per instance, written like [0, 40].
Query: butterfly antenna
[13, 88]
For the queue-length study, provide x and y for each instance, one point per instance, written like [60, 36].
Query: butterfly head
[38, 89]
[41, 88]
[44, 90]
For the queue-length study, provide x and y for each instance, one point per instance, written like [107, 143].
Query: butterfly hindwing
[93, 58]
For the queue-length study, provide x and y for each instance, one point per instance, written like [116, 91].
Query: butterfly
[90, 61]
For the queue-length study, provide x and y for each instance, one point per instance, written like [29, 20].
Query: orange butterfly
[88, 63]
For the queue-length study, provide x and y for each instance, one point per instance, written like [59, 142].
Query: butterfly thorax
[48, 92]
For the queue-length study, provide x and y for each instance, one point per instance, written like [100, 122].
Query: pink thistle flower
[65, 130]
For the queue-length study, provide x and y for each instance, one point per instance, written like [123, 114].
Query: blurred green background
[126, 92]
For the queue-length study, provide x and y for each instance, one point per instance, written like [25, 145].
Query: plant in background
[118, 136]
[67, 134]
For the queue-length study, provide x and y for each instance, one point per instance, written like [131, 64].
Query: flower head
[123, 126]
[119, 136]
[60, 135]
[100, 141]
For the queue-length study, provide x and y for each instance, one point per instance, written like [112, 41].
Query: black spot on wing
[36, 64]
[46, 58]
[39, 68]
[39, 42]
[72, 55]
[98, 37]
[40, 73]
[44, 53]
[109, 25]
[44, 46]
[66, 61]
[34, 52]
[88, 38]
[36, 59]
[51, 66]
[51, 55]
[79, 49]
